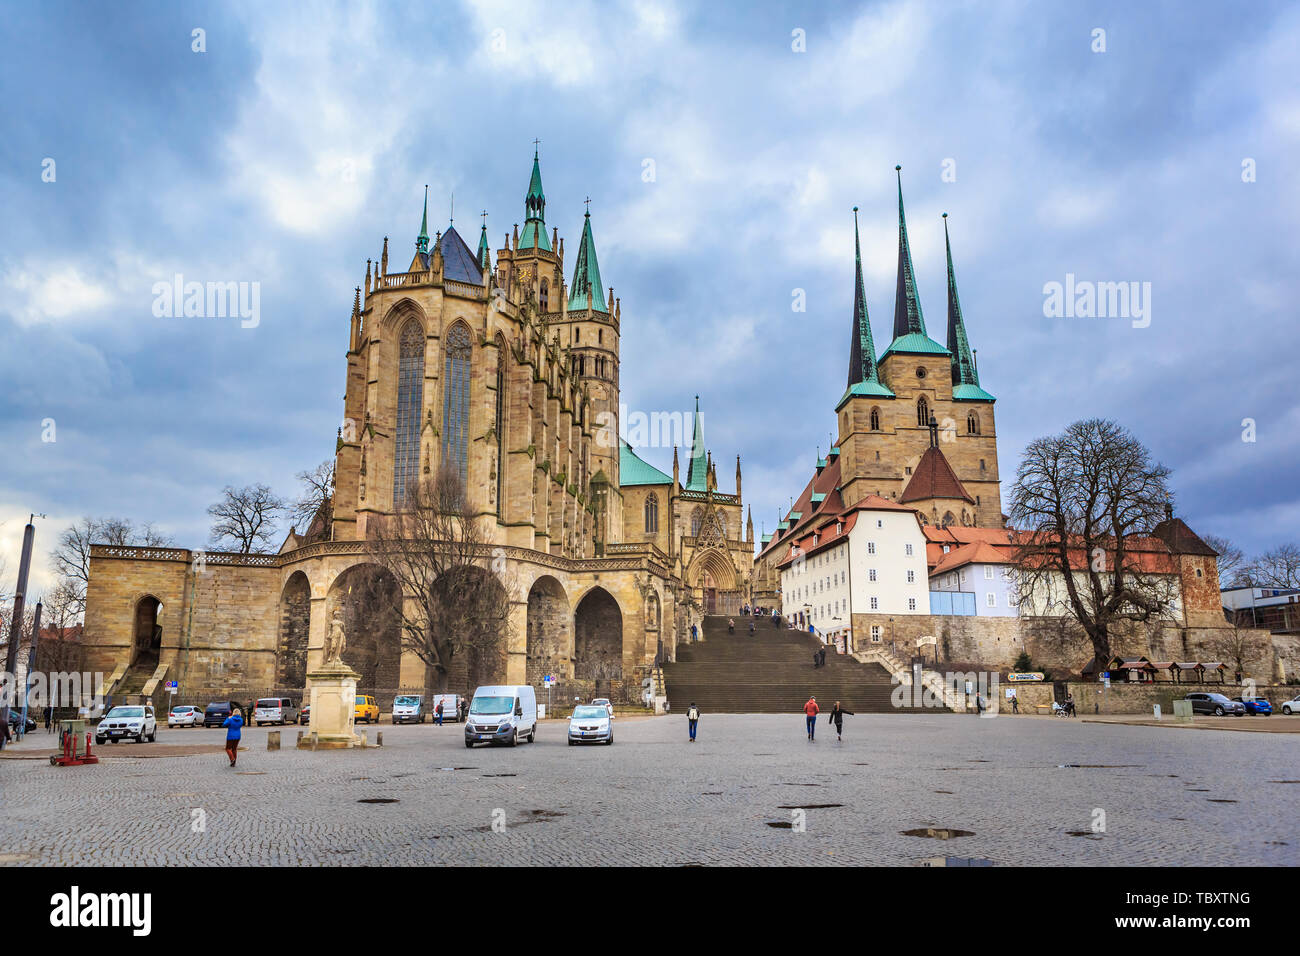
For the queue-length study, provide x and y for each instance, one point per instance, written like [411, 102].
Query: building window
[991, 599]
[875, 633]
[875, 419]
[981, 464]
[544, 296]
[499, 425]
[988, 572]
[908, 549]
[911, 577]
[871, 574]
[652, 515]
[871, 547]
[410, 398]
[695, 523]
[875, 604]
[455, 402]
[972, 424]
[923, 412]
[911, 604]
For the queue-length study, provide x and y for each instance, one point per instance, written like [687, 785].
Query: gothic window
[652, 515]
[695, 523]
[500, 423]
[922, 411]
[544, 296]
[410, 393]
[455, 401]
[875, 419]
[972, 424]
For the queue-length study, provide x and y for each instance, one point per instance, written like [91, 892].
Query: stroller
[1063, 710]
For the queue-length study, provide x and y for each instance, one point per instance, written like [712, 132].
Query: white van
[501, 713]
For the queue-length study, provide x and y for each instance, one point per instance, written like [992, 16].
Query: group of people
[810, 709]
[819, 657]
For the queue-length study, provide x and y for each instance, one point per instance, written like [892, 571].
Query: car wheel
[153, 736]
[469, 744]
[570, 741]
[532, 734]
[610, 741]
[1218, 711]
[100, 741]
[1286, 711]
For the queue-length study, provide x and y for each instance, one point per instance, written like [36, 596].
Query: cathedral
[915, 426]
[490, 365]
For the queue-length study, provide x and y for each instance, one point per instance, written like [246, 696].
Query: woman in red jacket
[811, 710]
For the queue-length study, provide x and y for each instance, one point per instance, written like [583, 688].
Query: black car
[14, 716]
[216, 713]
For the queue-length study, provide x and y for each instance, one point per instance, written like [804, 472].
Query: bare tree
[456, 598]
[71, 556]
[1230, 561]
[1081, 500]
[317, 498]
[1278, 568]
[245, 518]
[1234, 645]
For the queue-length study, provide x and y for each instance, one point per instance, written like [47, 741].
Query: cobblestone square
[1027, 789]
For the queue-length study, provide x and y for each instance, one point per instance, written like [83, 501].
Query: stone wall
[1093, 698]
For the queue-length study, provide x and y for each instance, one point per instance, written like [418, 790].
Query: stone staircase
[132, 682]
[771, 672]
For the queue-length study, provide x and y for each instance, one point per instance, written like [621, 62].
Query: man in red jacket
[811, 710]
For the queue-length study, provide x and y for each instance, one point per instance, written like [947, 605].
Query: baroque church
[493, 366]
[914, 425]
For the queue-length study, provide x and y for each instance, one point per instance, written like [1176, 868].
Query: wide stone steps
[771, 671]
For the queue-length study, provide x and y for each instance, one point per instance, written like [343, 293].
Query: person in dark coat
[836, 717]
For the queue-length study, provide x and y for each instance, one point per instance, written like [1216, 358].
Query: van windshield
[406, 701]
[492, 705]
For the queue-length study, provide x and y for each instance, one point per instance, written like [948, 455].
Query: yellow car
[366, 710]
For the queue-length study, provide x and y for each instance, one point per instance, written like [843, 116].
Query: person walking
[233, 723]
[437, 713]
[811, 710]
[816, 659]
[49, 717]
[694, 633]
[1015, 703]
[693, 719]
[837, 718]
[731, 626]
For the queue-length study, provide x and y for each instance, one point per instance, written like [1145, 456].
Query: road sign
[171, 687]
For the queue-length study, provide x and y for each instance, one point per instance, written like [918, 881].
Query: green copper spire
[907, 305]
[963, 367]
[697, 475]
[586, 285]
[484, 256]
[533, 235]
[422, 240]
[862, 350]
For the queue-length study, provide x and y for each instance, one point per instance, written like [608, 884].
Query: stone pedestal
[333, 707]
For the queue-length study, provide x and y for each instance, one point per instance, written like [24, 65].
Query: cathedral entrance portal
[710, 594]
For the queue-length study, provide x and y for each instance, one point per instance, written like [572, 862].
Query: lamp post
[16, 626]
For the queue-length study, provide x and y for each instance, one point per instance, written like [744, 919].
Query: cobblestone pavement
[652, 798]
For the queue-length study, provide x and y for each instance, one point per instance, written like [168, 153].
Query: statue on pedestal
[336, 641]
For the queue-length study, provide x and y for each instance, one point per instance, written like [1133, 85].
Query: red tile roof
[934, 478]
[980, 552]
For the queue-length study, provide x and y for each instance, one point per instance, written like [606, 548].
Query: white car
[590, 723]
[134, 721]
[607, 704]
[1291, 706]
[184, 716]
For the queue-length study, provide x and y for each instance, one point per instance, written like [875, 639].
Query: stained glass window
[410, 393]
[455, 402]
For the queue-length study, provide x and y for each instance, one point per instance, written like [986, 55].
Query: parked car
[1291, 706]
[135, 721]
[14, 716]
[1215, 704]
[275, 710]
[501, 714]
[1255, 705]
[408, 709]
[305, 714]
[215, 714]
[591, 723]
[366, 709]
[451, 708]
[184, 716]
[607, 704]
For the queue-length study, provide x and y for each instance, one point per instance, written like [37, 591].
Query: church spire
[963, 366]
[534, 234]
[422, 240]
[907, 305]
[586, 287]
[862, 350]
[697, 473]
[484, 255]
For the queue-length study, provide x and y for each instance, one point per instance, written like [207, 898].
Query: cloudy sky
[304, 134]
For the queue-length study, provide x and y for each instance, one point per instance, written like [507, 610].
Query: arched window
[875, 419]
[500, 423]
[410, 395]
[695, 523]
[544, 296]
[972, 424]
[652, 515]
[455, 401]
[922, 412]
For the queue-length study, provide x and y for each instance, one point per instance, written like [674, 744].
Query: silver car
[590, 724]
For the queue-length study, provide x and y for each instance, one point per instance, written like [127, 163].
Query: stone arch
[598, 637]
[146, 631]
[396, 317]
[948, 519]
[714, 563]
[482, 625]
[295, 624]
[549, 644]
[369, 597]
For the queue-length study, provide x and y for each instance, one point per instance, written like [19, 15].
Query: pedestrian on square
[837, 718]
[811, 710]
[979, 705]
[731, 626]
[694, 633]
[437, 714]
[751, 626]
[816, 659]
[1015, 703]
[233, 723]
[693, 719]
[49, 717]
